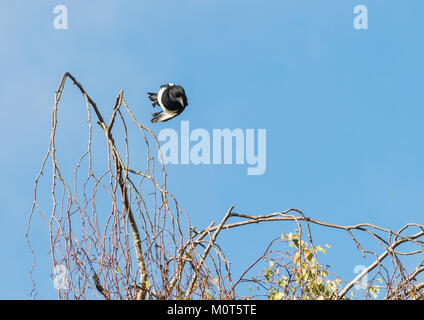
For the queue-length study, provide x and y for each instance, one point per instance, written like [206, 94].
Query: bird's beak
[181, 100]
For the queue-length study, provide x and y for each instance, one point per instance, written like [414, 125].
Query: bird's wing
[154, 98]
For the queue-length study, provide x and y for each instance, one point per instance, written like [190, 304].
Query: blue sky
[342, 109]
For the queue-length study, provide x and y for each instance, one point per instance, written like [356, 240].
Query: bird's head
[177, 93]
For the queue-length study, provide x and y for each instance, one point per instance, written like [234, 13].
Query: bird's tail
[163, 117]
[156, 119]
[154, 98]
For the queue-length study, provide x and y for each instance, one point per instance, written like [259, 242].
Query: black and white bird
[171, 98]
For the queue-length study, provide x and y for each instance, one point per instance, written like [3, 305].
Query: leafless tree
[120, 234]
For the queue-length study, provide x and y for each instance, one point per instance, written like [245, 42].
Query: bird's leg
[156, 113]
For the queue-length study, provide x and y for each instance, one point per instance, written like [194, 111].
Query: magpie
[171, 98]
